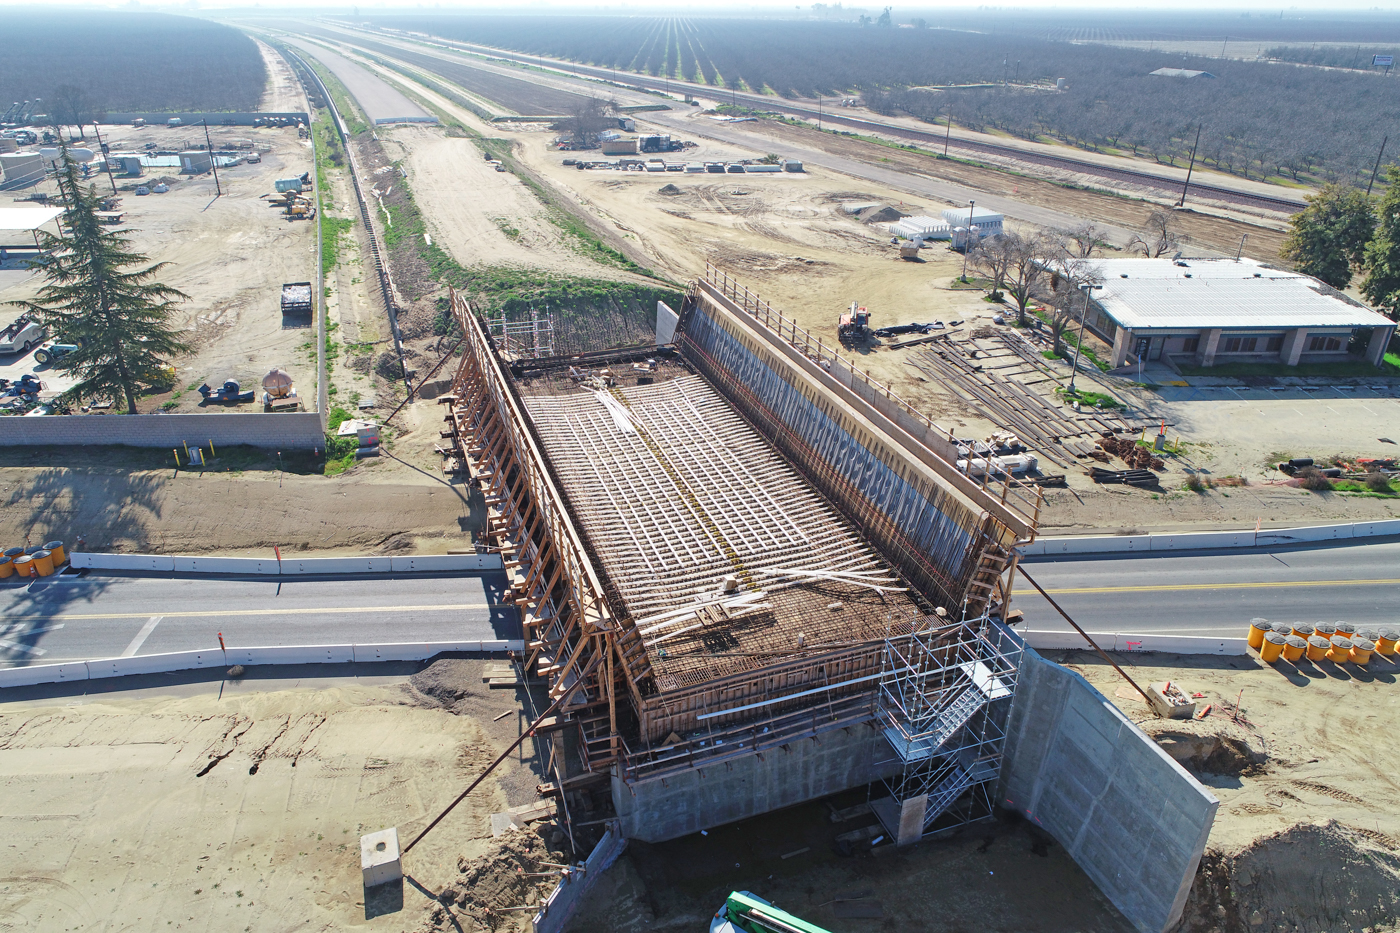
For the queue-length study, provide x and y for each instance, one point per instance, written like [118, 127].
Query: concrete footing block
[379, 857]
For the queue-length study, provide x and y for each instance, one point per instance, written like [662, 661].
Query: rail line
[1168, 186]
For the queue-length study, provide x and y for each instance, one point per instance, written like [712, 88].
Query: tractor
[53, 352]
[854, 325]
[228, 392]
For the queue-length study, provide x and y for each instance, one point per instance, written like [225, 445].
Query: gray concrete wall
[302, 430]
[194, 119]
[700, 799]
[1129, 815]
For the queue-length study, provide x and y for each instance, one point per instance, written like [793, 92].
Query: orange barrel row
[33, 561]
[1339, 642]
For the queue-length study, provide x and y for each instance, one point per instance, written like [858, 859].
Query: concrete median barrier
[248, 656]
[1206, 540]
[232, 566]
[1061, 640]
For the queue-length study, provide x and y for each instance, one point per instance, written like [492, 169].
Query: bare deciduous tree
[72, 107]
[992, 258]
[590, 118]
[1159, 236]
[1067, 302]
[1085, 239]
[1026, 272]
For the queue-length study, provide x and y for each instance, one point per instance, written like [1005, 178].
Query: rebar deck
[677, 493]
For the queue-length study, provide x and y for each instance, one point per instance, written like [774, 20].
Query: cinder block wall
[1129, 815]
[699, 799]
[302, 430]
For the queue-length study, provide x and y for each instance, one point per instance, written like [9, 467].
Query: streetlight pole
[967, 238]
[1088, 289]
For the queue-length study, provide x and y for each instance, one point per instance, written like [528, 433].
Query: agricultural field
[1265, 120]
[514, 94]
[103, 61]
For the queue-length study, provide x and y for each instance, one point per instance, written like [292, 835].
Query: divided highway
[799, 108]
[1214, 593]
[104, 614]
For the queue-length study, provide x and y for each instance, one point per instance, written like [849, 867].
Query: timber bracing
[566, 618]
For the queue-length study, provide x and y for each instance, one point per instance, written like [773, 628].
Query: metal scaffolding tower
[532, 339]
[942, 703]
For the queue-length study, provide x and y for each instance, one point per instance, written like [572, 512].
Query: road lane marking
[141, 636]
[28, 649]
[1170, 587]
[230, 613]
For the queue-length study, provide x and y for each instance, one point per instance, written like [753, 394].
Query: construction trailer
[762, 569]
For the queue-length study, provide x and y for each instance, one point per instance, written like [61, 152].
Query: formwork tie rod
[1027, 577]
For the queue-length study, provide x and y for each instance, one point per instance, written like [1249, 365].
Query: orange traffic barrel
[1361, 649]
[1386, 640]
[7, 567]
[1272, 648]
[1303, 630]
[1325, 629]
[1345, 629]
[24, 565]
[14, 552]
[1317, 648]
[43, 562]
[1258, 628]
[1293, 648]
[60, 556]
[1340, 651]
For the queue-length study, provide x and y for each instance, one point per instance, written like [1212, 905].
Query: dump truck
[854, 325]
[746, 912]
[296, 298]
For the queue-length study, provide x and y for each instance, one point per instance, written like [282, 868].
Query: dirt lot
[239, 804]
[1306, 837]
[229, 254]
[122, 500]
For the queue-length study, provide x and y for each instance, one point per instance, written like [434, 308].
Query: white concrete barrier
[1206, 540]
[336, 565]
[1373, 529]
[248, 656]
[427, 563]
[122, 561]
[431, 562]
[1202, 540]
[1061, 640]
[254, 565]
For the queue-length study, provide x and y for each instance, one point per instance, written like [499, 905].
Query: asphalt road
[380, 100]
[1214, 593]
[103, 614]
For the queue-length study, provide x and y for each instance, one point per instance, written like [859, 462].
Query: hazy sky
[728, 6]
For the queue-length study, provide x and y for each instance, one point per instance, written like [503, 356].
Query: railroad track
[1168, 186]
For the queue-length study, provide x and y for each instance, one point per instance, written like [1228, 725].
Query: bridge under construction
[758, 575]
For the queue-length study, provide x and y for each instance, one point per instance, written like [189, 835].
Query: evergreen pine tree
[117, 315]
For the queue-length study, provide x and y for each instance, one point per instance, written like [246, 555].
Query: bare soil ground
[239, 804]
[121, 500]
[229, 254]
[1306, 838]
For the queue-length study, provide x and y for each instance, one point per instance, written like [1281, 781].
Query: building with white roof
[1211, 311]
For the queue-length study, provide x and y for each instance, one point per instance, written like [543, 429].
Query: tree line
[1344, 232]
[1259, 119]
[119, 62]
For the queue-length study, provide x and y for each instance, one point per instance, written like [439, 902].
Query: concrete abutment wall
[1132, 818]
[693, 800]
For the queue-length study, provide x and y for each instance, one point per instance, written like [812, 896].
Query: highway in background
[1214, 593]
[866, 122]
[103, 614]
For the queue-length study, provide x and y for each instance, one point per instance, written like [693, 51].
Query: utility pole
[1190, 168]
[1378, 166]
[819, 113]
[213, 163]
[1088, 288]
[967, 239]
[103, 149]
[947, 131]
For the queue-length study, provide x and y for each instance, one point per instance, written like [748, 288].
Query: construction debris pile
[1137, 458]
